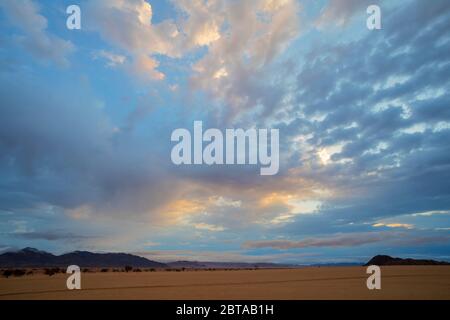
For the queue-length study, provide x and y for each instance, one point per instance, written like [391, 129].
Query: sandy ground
[397, 282]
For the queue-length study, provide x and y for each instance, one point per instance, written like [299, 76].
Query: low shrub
[19, 272]
[128, 268]
[49, 272]
[7, 273]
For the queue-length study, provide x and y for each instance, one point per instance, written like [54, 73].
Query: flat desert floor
[397, 282]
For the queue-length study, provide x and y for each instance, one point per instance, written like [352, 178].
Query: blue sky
[86, 118]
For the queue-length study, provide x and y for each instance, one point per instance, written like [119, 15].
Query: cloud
[349, 240]
[208, 227]
[431, 213]
[337, 241]
[35, 38]
[51, 236]
[348, 104]
[393, 225]
[241, 39]
[201, 22]
[127, 25]
[39, 156]
[236, 68]
[339, 12]
[146, 66]
[112, 59]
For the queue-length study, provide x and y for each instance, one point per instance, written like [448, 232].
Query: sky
[363, 115]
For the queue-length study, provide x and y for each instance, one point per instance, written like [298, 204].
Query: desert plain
[343, 283]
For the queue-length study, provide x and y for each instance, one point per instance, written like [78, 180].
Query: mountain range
[382, 260]
[227, 265]
[30, 257]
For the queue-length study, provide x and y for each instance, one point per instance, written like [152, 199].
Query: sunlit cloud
[394, 225]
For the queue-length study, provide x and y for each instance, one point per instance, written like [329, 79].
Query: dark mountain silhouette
[187, 264]
[225, 265]
[30, 257]
[382, 260]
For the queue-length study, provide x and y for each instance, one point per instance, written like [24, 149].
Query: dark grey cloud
[59, 147]
[354, 239]
[51, 236]
[34, 36]
[337, 241]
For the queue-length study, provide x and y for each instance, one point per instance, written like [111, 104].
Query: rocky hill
[382, 260]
